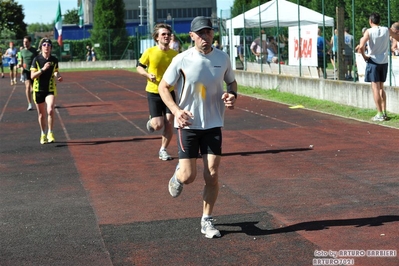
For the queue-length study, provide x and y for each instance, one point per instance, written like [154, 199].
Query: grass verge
[318, 105]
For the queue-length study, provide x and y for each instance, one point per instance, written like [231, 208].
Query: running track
[98, 196]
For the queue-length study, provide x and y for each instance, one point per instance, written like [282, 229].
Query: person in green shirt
[25, 63]
[1, 63]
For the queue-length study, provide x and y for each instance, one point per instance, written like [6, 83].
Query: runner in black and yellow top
[44, 70]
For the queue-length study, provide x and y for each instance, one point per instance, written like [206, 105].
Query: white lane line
[6, 104]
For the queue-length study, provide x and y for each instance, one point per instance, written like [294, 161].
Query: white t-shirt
[378, 45]
[198, 80]
[12, 53]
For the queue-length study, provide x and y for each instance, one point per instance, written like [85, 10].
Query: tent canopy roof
[265, 16]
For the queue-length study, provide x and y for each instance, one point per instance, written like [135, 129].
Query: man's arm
[141, 70]
[362, 46]
[182, 116]
[230, 96]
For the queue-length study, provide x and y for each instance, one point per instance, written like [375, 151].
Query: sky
[44, 11]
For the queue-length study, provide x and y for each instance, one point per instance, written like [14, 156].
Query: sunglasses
[164, 34]
[46, 44]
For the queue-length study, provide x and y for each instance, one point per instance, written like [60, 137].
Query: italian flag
[58, 24]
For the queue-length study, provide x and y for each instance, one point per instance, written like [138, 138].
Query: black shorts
[156, 105]
[320, 62]
[12, 66]
[375, 72]
[190, 141]
[40, 96]
[26, 74]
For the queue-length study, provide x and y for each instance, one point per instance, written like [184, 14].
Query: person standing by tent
[377, 60]
[321, 53]
[259, 48]
[334, 48]
[348, 47]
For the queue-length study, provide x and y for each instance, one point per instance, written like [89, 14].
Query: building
[148, 12]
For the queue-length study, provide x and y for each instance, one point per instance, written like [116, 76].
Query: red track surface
[98, 196]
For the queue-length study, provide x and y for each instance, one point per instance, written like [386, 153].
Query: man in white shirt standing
[377, 38]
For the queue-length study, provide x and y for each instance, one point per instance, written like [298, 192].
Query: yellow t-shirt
[157, 61]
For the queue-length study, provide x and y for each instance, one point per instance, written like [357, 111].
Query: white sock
[162, 149]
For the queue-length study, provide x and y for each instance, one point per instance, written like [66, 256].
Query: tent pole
[299, 37]
[278, 38]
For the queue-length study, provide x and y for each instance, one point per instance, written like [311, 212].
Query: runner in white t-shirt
[198, 75]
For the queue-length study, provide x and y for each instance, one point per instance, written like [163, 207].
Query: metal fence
[274, 19]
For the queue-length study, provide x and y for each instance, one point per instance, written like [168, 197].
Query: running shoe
[43, 139]
[149, 127]
[208, 229]
[175, 187]
[29, 107]
[50, 137]
[378, 118]
[164, 156]
[385, 116]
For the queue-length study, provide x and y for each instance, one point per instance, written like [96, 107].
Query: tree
[39, 27]
[109, 29]
[71, 17]
[12, 19]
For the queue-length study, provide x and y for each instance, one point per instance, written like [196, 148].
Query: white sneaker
[164, 156]
[29, 107]
[378, 118]
[175, 187]
[208, 229]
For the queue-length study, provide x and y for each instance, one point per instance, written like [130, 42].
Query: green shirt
[27, 56]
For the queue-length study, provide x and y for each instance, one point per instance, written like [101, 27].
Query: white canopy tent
[275, 13]
[266, 16]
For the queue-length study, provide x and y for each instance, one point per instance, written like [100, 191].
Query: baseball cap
[200, 23]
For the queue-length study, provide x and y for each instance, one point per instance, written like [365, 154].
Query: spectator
[259, 49]
[348, 58]
[321, 53]
[272, 51]
[174, 43]
[88, 53]
[93, 54]
[334, 48]
[377, 60]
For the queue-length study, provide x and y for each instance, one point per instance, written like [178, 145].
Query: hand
[183, 118]
[46, 66]
[152, 77]
[229, 100]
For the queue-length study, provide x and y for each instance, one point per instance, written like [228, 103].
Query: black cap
[200, 23]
